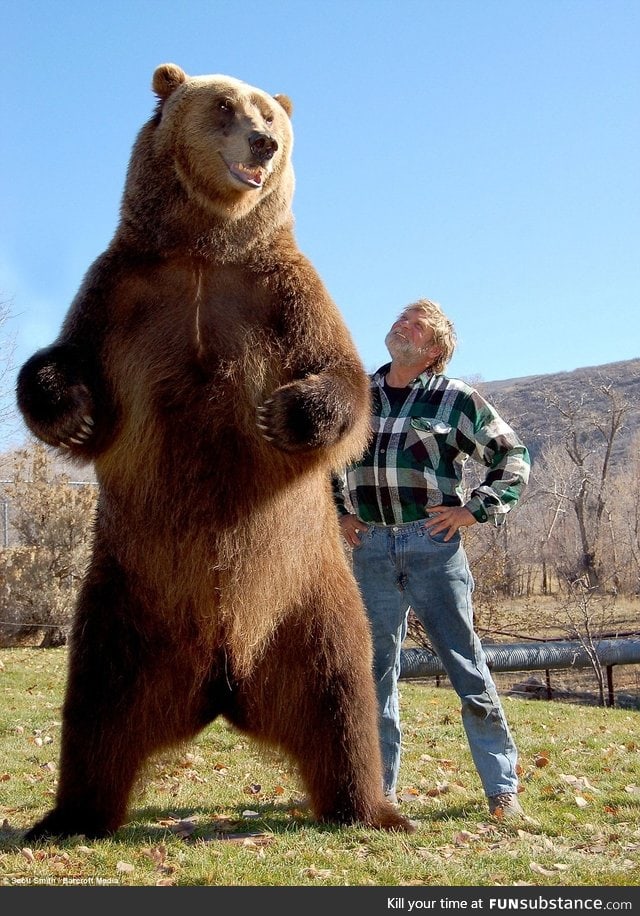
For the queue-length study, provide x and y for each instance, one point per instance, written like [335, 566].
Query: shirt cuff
[477, 509]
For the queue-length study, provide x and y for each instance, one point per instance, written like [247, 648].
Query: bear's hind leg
[99, 764]
[313, 697]
[104, 751]
[129, 694]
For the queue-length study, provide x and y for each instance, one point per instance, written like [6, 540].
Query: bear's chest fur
[187, 336]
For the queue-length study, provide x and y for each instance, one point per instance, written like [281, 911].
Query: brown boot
[505, 805]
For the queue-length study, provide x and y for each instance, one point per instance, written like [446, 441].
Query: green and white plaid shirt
[418, 451]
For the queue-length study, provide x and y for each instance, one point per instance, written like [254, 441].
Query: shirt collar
[424, 379]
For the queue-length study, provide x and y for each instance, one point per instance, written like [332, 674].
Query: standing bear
[207, 374]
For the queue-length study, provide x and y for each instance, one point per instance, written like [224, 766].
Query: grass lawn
[220, 813]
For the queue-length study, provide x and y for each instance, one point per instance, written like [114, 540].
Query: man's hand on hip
[352, 527]
[449, 519]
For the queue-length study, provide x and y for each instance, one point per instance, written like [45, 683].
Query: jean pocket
[364, 537]
[439, 538]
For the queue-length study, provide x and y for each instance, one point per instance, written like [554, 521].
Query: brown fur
[206, 372]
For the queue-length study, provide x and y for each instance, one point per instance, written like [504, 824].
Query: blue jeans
[403, 566]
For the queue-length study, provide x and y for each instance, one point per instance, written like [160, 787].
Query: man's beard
[403, 351]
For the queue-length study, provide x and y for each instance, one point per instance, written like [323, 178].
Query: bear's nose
[263, 146]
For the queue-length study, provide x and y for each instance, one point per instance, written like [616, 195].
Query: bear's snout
[262, 145]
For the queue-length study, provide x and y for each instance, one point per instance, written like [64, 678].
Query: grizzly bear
[207, 374]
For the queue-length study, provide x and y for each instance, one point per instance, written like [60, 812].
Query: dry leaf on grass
[247, 839]
[125, 868]
[193, 776]
[440, 788]
[578, 783]
[157, 854]
[182, 828]
[463, 838]
[539, 870]
[313, 872]
[551, 870]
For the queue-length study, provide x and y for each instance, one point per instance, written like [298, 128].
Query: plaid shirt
[418, 450]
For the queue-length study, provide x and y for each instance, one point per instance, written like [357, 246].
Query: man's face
[410, 340]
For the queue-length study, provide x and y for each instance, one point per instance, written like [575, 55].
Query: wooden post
[611, 700]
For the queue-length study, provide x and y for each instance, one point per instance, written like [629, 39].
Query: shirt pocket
[426, 440]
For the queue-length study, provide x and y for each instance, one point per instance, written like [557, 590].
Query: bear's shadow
[153, 824]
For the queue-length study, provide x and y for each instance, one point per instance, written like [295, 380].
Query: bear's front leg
[55, 399]
[309, 414]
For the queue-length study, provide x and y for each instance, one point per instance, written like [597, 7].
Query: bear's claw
[298, 417]
[261, 422]
[80, 434]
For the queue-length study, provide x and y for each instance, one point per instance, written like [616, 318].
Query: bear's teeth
[244, 173]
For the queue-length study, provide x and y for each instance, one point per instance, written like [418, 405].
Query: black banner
[381, 901]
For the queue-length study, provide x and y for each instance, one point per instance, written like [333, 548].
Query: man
[407, 507]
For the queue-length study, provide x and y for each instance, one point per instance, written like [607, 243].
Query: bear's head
[216, 152]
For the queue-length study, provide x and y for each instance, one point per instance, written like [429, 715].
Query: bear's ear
[166, 79]
[286, 103]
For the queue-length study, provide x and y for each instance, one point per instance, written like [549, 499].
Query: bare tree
[7, 354]
[585, 617]
[625, 520]
[589, 429]
[39, 577]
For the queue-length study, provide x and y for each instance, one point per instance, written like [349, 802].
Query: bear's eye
[225, 106]
[268, 118]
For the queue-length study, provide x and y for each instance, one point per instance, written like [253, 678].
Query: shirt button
[395, 530]
[382, 451]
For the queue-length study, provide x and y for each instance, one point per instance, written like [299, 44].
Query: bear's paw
[302, 416]
[57, 405]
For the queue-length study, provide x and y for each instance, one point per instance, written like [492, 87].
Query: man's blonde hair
[444, 333]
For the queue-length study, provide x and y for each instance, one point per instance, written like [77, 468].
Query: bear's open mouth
[251, 176]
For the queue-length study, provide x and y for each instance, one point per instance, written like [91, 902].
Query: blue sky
[483, 153]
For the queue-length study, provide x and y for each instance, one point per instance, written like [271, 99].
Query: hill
[525, 402]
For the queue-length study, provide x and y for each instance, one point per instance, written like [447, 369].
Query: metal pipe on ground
[533, 656]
